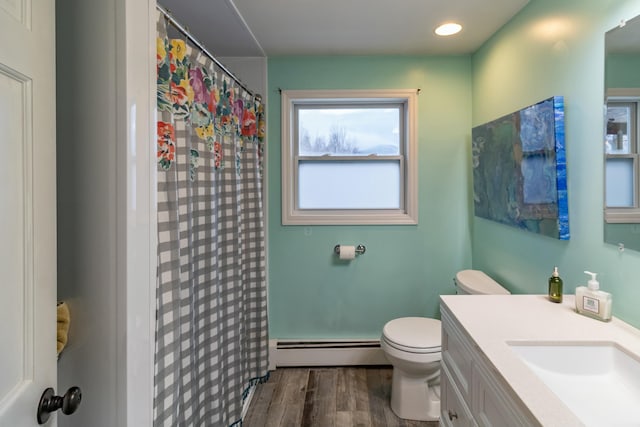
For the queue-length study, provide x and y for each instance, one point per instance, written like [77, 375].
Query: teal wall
[549, 48]
[405, 268]
[622, 71]
[556, 48]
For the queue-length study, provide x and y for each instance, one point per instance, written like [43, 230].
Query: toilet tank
[475, 282]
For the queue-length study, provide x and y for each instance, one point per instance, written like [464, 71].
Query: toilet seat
[413, 334]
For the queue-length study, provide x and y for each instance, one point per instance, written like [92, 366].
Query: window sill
[622, 215]
[349, 218]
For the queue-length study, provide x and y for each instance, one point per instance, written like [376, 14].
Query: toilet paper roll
[347, 252]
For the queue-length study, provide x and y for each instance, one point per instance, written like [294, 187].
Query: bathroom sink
[598, 382]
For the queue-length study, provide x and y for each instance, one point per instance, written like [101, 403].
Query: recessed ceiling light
[448, 29]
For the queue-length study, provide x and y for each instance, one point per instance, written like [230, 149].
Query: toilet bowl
[412, 346]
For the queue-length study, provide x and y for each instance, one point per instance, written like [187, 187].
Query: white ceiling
[230, 28]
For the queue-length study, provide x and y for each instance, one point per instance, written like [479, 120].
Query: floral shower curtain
[211, 325]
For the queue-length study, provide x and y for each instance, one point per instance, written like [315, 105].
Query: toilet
[412, 346]
[476, 282]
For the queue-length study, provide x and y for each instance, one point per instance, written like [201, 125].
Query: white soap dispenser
[593, 302]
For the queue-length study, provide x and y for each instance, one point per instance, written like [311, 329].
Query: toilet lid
[414, 334]
[477, 282]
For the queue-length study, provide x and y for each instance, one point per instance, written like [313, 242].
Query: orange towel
[63, 325]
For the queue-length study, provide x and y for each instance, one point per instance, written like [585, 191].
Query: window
[349, 157]
[621, 161]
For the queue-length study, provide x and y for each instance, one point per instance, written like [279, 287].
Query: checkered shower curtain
[211, 318]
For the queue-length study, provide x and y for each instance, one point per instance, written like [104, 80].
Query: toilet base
[412, 398]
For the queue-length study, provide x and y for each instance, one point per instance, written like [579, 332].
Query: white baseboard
[325, 353]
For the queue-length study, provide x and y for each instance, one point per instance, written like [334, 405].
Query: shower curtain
[211, 324]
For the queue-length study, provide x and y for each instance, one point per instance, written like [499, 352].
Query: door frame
[136, 224]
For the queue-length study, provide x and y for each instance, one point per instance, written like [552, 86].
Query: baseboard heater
[325, 353]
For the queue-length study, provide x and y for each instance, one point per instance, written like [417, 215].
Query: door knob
[49, 403]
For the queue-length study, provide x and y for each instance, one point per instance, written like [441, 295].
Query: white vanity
[521, 360]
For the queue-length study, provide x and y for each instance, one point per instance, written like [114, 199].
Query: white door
[27, 209]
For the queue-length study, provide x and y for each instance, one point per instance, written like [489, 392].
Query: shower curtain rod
[190, 36]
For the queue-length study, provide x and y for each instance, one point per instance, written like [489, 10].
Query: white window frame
[407, 214]
[630, 215]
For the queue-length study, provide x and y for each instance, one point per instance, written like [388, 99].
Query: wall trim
[284, 353]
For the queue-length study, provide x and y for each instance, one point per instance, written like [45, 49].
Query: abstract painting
[520, 170]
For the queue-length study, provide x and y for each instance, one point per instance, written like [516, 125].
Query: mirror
[622, 137]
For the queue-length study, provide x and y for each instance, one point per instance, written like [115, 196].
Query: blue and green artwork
[520, 170]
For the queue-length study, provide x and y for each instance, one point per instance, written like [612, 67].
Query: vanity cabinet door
[457, 355]
[453, 410]
[472, 393]
[491, 404]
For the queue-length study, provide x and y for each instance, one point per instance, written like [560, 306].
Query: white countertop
[494, 320]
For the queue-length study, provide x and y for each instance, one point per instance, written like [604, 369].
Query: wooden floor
[326, 397]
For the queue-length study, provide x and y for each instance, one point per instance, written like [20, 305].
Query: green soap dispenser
[555, 286]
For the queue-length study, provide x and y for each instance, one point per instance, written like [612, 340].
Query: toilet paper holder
[360, 249]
